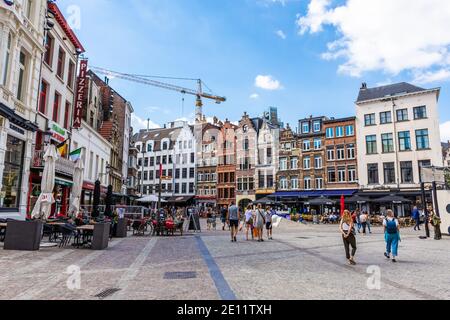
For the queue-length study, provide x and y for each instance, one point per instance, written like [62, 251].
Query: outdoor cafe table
[97, 236]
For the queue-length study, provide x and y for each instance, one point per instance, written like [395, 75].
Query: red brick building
[340, 154]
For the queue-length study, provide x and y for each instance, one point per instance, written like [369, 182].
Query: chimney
[364, 86]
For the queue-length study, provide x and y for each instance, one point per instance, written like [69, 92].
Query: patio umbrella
[43, 206]
[109, 202]
[358, 199]
[75, 198]
[96, 201]
[322, 201]
[393, 199]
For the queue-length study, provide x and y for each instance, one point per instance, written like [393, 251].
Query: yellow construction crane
[145, 80]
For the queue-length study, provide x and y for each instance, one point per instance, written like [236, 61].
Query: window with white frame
[316, 126]
[294, 163]
[319, 183]
[283, 164]
[340, 153]
[330, 133]
[339, 132]
[341, 174]
[307, 163]
[22, 81]
[6, 60]
[306, 145]
[317, 144]
[330, 155]
[305, 127]
[351, 151]
[294, 183]
[352, 174]
[318, 163]
[350, 130]
[283, 183]
[307, 183]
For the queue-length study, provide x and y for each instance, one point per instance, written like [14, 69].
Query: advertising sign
[81, 92]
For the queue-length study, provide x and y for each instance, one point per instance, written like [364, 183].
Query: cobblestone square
[303, 262]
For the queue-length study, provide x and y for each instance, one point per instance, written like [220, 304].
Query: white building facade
[55, 107]
[21, 48]
[397, 133]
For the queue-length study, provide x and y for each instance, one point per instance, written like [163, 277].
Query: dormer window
[305, 127]
[149, 147]
[165, 145]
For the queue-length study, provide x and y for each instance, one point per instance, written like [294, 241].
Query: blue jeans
[392, 243]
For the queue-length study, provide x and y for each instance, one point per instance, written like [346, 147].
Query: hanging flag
[63, 148]
[75, 155]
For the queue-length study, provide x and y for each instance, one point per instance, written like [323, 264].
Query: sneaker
[352, 262]
[235, 240]
[393, 260]
[387, 256]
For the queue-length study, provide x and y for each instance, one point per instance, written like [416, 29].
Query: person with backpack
[260, 222]
[347, 229]
[391, 235]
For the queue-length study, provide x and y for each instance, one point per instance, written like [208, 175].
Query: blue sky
[228, 44]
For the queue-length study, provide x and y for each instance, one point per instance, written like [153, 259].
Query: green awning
[63, 182]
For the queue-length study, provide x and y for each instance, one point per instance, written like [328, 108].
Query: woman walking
[260, 221]
[391, 235]
[348, 236]
[249, 222]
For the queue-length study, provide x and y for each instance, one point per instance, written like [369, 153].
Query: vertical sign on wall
[81, 91]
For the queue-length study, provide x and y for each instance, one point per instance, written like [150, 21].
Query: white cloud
[431, 76]
[445, 131]
[281, 34]
[385, 35]
[267, 82]
[254, 96]
[138, 123]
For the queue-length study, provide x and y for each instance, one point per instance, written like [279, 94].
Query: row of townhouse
[39, 63]
[379, 151]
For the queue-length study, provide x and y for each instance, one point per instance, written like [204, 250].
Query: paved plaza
[303, 262]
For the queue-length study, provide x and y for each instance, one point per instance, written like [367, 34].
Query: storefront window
[12, 174]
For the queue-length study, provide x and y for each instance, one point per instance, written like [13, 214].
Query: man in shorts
[233, 219]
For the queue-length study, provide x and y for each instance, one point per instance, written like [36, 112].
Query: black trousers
[349, 241]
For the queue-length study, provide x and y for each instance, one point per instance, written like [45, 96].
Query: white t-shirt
[248, 215]
[363, 218]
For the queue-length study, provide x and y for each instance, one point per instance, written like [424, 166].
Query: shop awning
[16, 119]
[180, 199]
[314, 194]
[63, 182]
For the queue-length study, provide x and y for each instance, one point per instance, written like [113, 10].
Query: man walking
[233, 219]
[416, 217]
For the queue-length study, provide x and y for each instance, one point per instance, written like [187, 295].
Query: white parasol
[42, 208]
